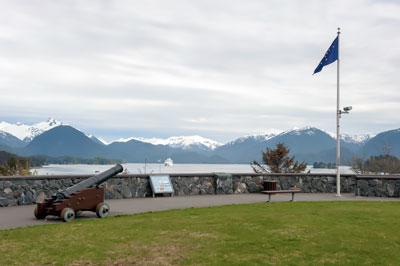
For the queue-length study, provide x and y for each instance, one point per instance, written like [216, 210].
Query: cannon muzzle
[90, 182]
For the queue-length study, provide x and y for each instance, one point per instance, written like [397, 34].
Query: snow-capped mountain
[253, 137]
[308, 144]
[356, 138]
[188, 142]
[10, 140]
[347, 138]
[297, 131]
[300, 131]
[25, 132]
[183, 142]
[388, 141]
[300, 141]
[96, 139]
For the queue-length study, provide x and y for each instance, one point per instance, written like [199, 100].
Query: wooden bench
[271, 192]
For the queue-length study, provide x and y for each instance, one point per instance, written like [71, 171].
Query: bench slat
[280, 191]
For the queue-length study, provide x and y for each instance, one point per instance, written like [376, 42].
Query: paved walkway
[21, 216]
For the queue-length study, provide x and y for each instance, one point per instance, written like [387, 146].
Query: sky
[220, 69]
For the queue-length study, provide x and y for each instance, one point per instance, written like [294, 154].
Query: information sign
[161, 184]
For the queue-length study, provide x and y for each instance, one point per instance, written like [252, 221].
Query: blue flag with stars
[330, 56]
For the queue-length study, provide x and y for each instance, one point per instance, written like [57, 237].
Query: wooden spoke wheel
[67, 214]
[102, 210]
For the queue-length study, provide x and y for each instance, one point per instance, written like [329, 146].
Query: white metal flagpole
[338, 112]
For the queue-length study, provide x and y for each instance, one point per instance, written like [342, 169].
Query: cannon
[86, 195]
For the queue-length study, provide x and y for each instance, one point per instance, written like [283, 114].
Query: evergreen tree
[15, 166]
[278, 161]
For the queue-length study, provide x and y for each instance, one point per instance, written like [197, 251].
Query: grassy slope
[274, 233]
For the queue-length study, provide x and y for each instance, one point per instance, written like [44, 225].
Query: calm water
[137, 168]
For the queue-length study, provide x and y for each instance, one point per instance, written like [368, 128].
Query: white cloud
[219, 69]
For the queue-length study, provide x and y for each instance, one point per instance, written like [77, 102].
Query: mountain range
[309, 144]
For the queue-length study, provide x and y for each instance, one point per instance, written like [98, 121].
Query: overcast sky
[219, 69]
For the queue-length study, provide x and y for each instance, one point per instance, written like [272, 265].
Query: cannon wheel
[67, 214]
[38, 215]
[102, 210]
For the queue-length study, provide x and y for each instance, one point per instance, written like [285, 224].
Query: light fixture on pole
[345, 110]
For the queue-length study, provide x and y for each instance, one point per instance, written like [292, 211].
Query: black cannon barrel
[90, 182]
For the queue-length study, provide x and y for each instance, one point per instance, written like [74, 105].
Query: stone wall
[378, 186]
[29, 190]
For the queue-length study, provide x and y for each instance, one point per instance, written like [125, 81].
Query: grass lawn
[305, 233]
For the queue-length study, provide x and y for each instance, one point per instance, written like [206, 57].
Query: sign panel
[161, 184]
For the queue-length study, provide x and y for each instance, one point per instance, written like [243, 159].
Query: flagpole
[338, 112]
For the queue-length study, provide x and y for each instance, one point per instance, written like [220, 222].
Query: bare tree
[382, 164]
[358, 165]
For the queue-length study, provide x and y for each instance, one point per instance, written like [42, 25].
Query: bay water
[154, 168]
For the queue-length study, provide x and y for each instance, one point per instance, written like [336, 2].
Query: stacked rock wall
[29, 190]
[378, 186]
[307, 183]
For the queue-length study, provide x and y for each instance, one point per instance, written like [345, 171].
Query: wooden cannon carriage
[84, 196]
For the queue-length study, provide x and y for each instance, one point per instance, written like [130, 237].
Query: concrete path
[21, 216]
